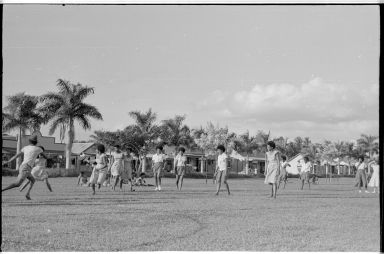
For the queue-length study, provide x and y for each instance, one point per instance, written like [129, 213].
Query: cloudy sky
[294, 70]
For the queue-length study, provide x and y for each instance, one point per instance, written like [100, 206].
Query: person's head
[42, 148]
[283, 157]
[181, 150]
[271, 145]
[117, 148]
[361, 158]
[159, 149]
[306, 159]
[33, 140]
[220, 149]
[100, 149]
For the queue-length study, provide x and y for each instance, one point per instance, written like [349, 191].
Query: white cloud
[313, 107]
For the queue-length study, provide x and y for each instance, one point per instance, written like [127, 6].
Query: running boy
[39, 172]
[180, 161]
[30, 153]
[221, 169]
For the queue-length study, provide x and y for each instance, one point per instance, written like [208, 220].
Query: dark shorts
[25, 172]
[221, 175]
[158, 169]
[180, 170]
[361, 178]
[304, 176]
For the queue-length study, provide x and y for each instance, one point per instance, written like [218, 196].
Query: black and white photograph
[190, 127]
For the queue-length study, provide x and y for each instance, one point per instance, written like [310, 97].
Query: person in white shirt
[39, 172]
[361, 177]
[180, 161]
[158, 166]
[304, 173]
[221, 169]
[30, 153]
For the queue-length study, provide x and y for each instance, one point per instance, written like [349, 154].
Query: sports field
[329, 217]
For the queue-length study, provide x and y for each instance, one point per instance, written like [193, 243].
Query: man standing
[30, 153]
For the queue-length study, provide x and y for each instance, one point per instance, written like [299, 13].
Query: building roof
[294, 157]
[79, 148]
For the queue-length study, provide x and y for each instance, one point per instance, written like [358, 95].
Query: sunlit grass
[329, 217]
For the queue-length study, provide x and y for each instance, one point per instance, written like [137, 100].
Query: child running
[304, 173]
[283, 177]
[158, 166]
[30, 153]
[180, 161]
[272, 166]
[361, 177]
[221, 175]
[39, 172]
[117, 161]
[100, 169]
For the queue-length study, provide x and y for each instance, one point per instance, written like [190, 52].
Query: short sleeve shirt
[180, 160]
[306, 167]
[156, 158]
[360, 166]
[30, 154]
[222, 161]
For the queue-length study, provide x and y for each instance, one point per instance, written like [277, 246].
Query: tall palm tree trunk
[247, 165]
[144, 164]
[68, 148]
[202, 165]
[18, 148]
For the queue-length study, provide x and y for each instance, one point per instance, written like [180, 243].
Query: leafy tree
[369, 144]
[65, 107]
[22, 114]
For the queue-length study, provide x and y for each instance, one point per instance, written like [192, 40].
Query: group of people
[123, 169]
[372, 167]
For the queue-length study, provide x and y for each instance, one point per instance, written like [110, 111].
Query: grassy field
[329, 217]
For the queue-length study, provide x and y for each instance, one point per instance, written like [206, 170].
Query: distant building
[295, 164]
[54, 151]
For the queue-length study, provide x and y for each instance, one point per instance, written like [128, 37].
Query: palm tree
[147, 130]
[175, 133]
[246, 144]
[369, 144]
[262, 139]
[65, 107]
[21, 114]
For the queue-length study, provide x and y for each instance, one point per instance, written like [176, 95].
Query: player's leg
[225, 181]
[23, 186]
[218, 181]
[32, 182]
[48, 184]
[20, 179]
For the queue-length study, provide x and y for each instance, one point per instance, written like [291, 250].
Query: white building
[295, 164]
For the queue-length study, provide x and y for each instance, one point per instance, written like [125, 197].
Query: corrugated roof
[78, 148]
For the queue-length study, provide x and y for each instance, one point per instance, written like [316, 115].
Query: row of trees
[62, 108]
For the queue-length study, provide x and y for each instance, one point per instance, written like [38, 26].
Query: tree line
[61, 109]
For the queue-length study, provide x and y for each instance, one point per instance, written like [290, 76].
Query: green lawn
[329, 217]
